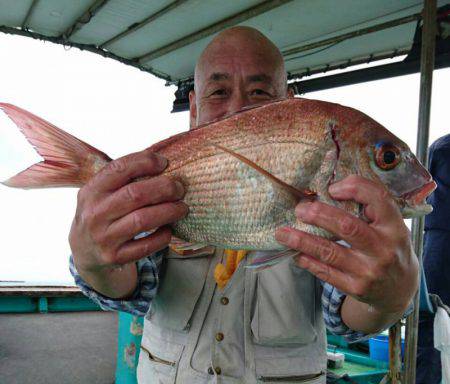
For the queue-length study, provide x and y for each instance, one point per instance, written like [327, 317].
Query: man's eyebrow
[260, 77]
[217, 76]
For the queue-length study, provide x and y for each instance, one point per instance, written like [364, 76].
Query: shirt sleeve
[139, 302]
[332, 300]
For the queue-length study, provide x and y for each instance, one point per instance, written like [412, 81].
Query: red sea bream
[244, 174]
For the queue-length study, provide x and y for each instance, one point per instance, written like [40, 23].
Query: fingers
[348, 270]
[342, 224]
[379, 263]
[121, 171]
[325, 251]
[343, 281]
[114, 207]
[379, 205]
[142, 220]
[135, 250]
[139, 194]
[325, 272]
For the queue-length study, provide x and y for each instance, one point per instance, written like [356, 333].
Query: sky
[119, 110]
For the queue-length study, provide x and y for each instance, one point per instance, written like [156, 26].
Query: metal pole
[395, 356]
[350, 35]
[426, 80]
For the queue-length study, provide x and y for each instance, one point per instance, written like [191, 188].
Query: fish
[245, 173]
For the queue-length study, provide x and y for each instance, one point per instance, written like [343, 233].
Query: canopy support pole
[29, 14]
[426, 80]
[84, 18]
[149, 19]
[395, 357]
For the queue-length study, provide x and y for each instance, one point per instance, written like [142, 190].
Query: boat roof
[164, 37]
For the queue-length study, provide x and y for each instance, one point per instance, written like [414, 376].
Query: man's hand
[379, 269]
[114, 207]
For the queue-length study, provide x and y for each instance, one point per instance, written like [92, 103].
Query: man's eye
[218, 93]
[260, 92]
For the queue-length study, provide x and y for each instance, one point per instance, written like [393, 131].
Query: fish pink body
[245, 174]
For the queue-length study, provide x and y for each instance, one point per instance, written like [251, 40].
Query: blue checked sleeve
[139, 302]
[332, 300]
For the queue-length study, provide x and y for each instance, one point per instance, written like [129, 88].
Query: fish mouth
[415, 204]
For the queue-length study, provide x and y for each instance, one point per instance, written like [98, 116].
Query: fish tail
[68, 161]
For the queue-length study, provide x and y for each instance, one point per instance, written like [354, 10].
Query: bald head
[239, 67]
[238, 41]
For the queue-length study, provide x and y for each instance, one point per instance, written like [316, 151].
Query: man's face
[233, 77]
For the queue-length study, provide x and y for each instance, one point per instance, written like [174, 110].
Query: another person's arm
[114, 207]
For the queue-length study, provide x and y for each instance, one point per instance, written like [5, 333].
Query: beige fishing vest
[263, 327]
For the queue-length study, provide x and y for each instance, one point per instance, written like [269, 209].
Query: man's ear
[192, 110]
[290, 92]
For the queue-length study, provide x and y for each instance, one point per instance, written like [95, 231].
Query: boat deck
[81, 347]
[55, 348]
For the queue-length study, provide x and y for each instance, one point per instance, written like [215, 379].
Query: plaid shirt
[139, 303]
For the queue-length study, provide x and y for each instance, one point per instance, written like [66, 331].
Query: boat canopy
[164, 37]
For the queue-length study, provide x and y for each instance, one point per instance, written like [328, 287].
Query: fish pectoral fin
[263, 262]
[190, 246]
[185, 248]
[297, 193]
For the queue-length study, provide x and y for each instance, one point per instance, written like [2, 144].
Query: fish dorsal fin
[297, 193]
[241, 111]
[166, 142]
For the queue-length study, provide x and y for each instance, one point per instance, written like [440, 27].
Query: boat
[321, 43]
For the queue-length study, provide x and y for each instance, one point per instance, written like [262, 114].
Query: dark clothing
[436, 262]
[439, 165]
[436, 259]
[428, 367]
[436, 254]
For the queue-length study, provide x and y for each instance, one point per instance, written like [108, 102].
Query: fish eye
[387, 156]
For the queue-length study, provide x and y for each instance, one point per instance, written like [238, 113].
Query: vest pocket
[181, 282]
[284, 306]
[158, 363]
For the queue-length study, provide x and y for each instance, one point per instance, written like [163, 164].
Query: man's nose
[238, 101]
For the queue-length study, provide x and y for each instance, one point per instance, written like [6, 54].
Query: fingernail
[282, 235]
[302, 209]
[181, 204]
[180, 188]
[302, 261]
[162, 161]
[334, 188]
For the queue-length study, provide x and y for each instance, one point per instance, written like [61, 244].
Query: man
[261, 327]
[435, 260]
